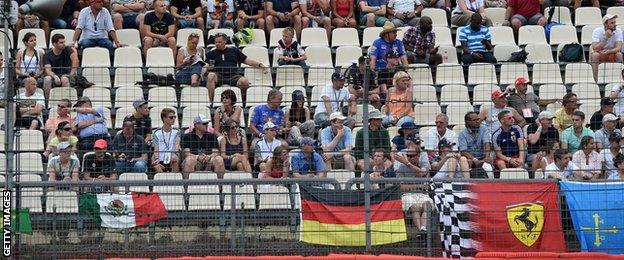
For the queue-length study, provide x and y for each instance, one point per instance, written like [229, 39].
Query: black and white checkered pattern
[452, 203]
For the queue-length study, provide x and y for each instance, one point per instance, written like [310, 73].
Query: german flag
[337, 217]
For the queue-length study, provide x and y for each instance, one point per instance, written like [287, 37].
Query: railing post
[366, 146]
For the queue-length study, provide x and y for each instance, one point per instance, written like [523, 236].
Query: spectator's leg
[595, 3]
[370, 19]
[460, 19]
[353, 23]
[380, 20]
[171, 42]
[243, 84]
[467, 59]
[326, 21]
[338, 23]
[517, 21]
[349, 162]
[397, 22]
[577, 3]
[148, 42]
[211, 84]
[47, 86]
[489, 57]
[139, 166]
[260, 23]
[298, 25]
[175, 163]
[34, 124]
[45, 26]
[435, 59]
[594, 59]
[65, 81]
[200, 23]
[218, 166]
[118, 21]
[465, 167]
[189, 165]
[270, 23]
[120, 166]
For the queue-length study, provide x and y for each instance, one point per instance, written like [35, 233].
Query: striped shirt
[473, 38]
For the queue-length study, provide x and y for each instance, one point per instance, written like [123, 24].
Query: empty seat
[345, 37]
[257, 96]
[259, 38]
[129, 37]
[258, 77]
[171, 195]
[29, 141]
[99, 96]
[62, 202]
[191, 96]
[589, 107]
[159, 60]
[609, 72]
[124, 96]
[128, 57]
[133, 176]
[457, 111]
[563, 34]
[190, 112]
[438, 16]
[420, 73]
[183, 34]
[257, 53]
[482, 94]
[95, 57]
[39, 33]
[450, 52]
[369, 35]
[162, 96]
[424, 93]
[531, 34]
[203, 197]
[588, 93]
[219, 90]
[100, 76]
[449, 74]
[538, 53]
[502, 35]
[360, 112]
[320, 76]
[587, 33]
[509, 72]
[244, 197]
[155, 116]
[547, 73]
[560, 14]
[496, 14]
[552, 91]
[120, 114]
[426, 113]
[514, 173]
[30, 197]
[619, 11]
[587, 15]
[341, 177]
[482, 73]
[68, 33]
[125, 77]
[443, 36]
[28, 163]
[58, 93]
[346, 55]
[276, 35]
[578, 73]
[273, 197]
[290, 75]
[454, 94]
[319, 56]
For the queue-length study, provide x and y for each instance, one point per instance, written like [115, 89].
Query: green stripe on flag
[20, 221]
[88, 205]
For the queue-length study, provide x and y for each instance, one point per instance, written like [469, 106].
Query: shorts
[129, 22]
[228, 164]
[607, 57]
[379, 20]
[183, 23]
[531, 21]
[25, 121]
[229, 81]
[247, 23]
[281, 24]
[410, 199]
[202, 166]
[337, 162]
[424, 60]
[506, 163]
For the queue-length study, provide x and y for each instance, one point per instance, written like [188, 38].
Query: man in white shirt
[404, 12]
[333, 98]
[440, 131]
[166, 144]
[618, 95]
[94, 26]
[562, 168]
[606, 43]
[29, 106]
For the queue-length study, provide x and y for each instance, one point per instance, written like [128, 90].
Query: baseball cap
[375, 114]
[82, 100]
[521, 80]
[607, 101]
[63, 145]
[546, 114]
[100, 144]
[307, 141]
[297, 95]
[337, 76]
[608, 17]
[268, 125]
[609, 117]
[445, 143]
[139, 102]
[497, 94]
[615, 137]
[336, 115]
[201, 119]
[408, 125]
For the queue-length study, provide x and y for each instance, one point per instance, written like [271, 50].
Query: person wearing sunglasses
[509, 143]
[159, 29]
[190, 62]
[129, 149]
[228, 110]
[63, 133]
[234, 148]
[166, 144]
[95, 25]
[62, 114]
[201, 149]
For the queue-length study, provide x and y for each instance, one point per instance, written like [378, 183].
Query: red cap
[497, 94]
[521, 80]
[100, 144]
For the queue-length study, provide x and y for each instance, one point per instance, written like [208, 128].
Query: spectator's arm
[518, 117]
[120, 8]
[75, 62]
[198, 12]
[174, 12]
[137, 7]
[364, 7]
[75, 175]
[522, 147]
[87, 176]
[464, 9]
[269, 8]
[327, 104]
[508, 14]
[254, 130]
[381, 11]
[77, 33]
[258, 16]
[18, 62]
[295, 9]
[617, 48]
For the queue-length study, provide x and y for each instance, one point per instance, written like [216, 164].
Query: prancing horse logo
[526, 221]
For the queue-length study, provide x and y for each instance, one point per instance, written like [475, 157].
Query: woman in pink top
[588, 160]
[399, 109]
[343, 13]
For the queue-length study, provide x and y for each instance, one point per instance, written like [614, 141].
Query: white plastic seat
[120, 114]
[203, 197]
[514, 173]
[449, 74]
[273, 197]
[244, 197]
[289, 75]
[589, 107]
[128, 57]
[426, 113]
[424, 93]
[2, 162]
[369, 35]
[587, 33]
[219, 90]
[162, 96]
[28, 163]
[438, 16]
[450, 52]
[159, 60]
[100, 76]
[3, 40]
[95, 57]
[319, 56]
[29, 141]
[496, 15]
[39, 33]
[155, 116]
[482, 73]
[257, 53]
[420, 73]
[443, 35]
[171, 195]
[99, 96]
[619, 11]
[237, 176]
[510, 71]
[190, 112]
[259, 39]
[124, 96]
[126, 77]
[345, 37]
[258, 77]
[482, 94]
[531, 34]
[456, 112]
[609, 72]
[587, 15]
[538, 53]
[578, 73]
[454, 94]
[553, 107]
[61, 202]
[276, 35]
[183, 34]
[502, 35]
[346, 55]
[257, 96]
[547, 73]
[68, 33]
[191, 96]
[342, 177]
[561, 14]
[359, 115]
[552, 91]
[320, 76]
[30, 196]
[129, 37]
[563, 34]
[588, 93]
[133, 176]
[58, 93]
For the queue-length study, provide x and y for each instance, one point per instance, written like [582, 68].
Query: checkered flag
[452, 202]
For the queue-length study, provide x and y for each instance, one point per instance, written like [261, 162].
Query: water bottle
[445, 57]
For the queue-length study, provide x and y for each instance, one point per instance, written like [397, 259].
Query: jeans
[137, 166]
[58, 23]
[488, 57]
[183, 23]
[97, 42]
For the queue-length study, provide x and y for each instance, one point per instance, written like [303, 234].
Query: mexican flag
[122, 210]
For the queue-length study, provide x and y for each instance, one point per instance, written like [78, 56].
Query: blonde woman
[398, 108]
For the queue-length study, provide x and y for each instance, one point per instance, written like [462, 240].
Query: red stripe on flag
[148, 208]
[323, 213]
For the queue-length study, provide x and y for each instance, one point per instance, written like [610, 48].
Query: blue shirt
[283, 6]
[264, 114]
[573, 141]
[473, 38]
[379, 49]
[474, 141]
[508, 141]
[94, 129]
[327, 136]
[303, 166]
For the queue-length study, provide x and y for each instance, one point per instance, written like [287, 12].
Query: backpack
[571, 52]
[518, 56]
[243, 37]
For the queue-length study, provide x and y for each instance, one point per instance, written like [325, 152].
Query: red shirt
[526, 8]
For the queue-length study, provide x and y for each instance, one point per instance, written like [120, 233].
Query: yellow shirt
[562, 119]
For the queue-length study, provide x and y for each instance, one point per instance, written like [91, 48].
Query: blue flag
[597, 211]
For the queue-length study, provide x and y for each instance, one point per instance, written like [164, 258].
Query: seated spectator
[60, 63]
[404, 12]
[464, 10]
[475, 141]
[90, 123]
[29, 106]
[489, 114]
[343, 12]
[476, 42]
[356, 75]
[297, 119]
[190, 62]
[509, 143]
[68, 17]
[419, 42]
[233, 148]
[449, 164]
[227, 111]
[289, 51]
[538, 136]
[579, 3]
[63, 133]
[377, 137]
[333, 98]
[440, 4]
[226, 61]
[188, 13]
[606, 43]
[412, 162]
[563, 116]
[378, 168]
[278, 165]
[166, 144]
[526, 103]
[94, 26]
[619, 164]
[398, 110]
[386, 42]
[250, 13]
[129, 149]
[62, 115]
[336, 142]
[386, 75]
[609, 153]
[32, 21]
[618, 96]
[571, 136]
[588, 160]
[606, 107]
[29, 60]
[372, 12]
[406, 130]
[201, 150]
[562, 168]
[141, 118]
[159, 29]
[127, 14]
[63, 167]
[609, 127]
[434, 135]
[521, 12]
[99, 165]
[315, 13]
[268, 113]
[544, 157]
[308, 163]
[220, 14]
[282, 14]
[265, 146]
